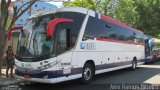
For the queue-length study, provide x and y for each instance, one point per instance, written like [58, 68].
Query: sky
[59, 4]
[54, 2]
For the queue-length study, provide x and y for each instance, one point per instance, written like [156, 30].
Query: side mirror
[52, 24]
[13, 29]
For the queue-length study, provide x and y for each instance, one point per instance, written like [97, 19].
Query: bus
[152, 49]
[73, 42]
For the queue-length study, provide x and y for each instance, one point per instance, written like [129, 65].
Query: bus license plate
[26, 76]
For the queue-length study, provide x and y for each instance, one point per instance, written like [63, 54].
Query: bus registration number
[26, 76]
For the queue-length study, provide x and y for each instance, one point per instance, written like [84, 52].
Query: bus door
[64, 54]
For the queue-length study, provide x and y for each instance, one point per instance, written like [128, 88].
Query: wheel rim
[87, 73]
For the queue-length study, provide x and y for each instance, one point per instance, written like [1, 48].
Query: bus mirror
[13, 29]
[52, 24]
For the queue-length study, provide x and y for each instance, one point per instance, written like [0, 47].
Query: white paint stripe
[112, 69]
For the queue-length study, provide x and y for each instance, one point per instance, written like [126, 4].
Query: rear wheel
[87, 73]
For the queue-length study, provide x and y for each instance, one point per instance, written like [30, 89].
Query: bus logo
[82, 46]
[88, 46]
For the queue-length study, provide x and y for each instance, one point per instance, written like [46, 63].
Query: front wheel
[87, 73]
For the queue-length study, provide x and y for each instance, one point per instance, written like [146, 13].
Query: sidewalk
[8, 81]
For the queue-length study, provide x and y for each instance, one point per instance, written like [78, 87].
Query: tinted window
[68, 32]
[97, 28]
[92, 29]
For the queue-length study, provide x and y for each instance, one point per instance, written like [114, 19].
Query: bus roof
[65, 9]
[85, 11]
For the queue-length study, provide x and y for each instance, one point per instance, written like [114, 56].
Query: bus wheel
[87, 73]
[134, 65]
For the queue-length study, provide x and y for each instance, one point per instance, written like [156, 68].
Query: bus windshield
[33, 41]
[34, 45]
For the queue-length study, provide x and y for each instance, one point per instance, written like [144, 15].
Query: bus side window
[92, 30]
[64, 40]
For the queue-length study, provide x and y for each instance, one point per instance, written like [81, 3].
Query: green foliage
[149, 20]
[8, 22]
[82, 3]
[104, 6]
[125, 12]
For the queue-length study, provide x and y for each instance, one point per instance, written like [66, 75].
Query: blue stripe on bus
[105, 66]
[59, 73]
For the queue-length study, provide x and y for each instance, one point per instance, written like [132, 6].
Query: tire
[87, 73]
[134, 65]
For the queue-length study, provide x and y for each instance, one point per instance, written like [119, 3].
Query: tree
[125, 11]
[141, 14]
[149, 20]
[82, 3]
[106, 7]
[102, 6]
[5, 25]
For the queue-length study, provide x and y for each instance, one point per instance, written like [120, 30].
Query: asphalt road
[145, 74]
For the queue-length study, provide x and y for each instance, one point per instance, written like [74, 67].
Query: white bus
[71, 43]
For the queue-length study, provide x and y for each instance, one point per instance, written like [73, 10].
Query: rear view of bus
[152, 49]
[71, 43]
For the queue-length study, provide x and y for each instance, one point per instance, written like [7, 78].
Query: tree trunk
[3, 22]
[0, 41]
[2, 48]
[2, 44]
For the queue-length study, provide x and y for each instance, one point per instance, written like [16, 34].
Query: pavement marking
[150, 66]
[153, 80]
